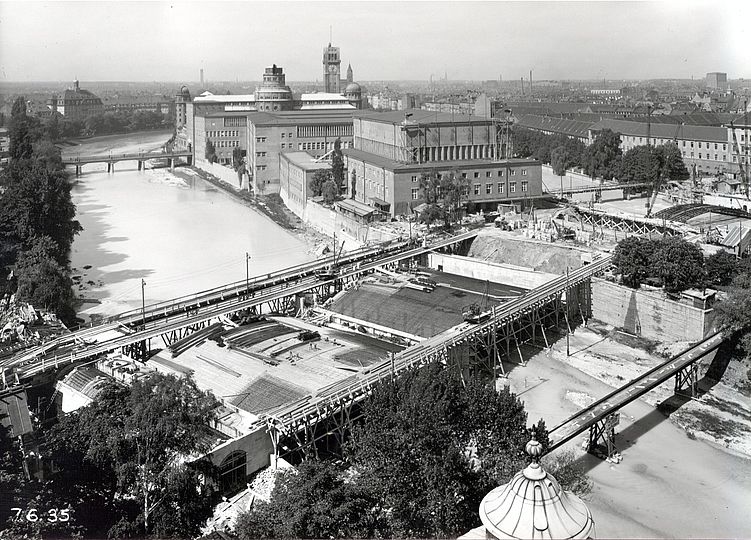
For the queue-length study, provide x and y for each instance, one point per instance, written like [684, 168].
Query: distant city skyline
[173, 41]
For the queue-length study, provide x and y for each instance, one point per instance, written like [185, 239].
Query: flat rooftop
[264, 365]
[421, 313]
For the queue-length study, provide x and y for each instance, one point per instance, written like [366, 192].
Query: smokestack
[201, 77]
[530, 82]
[522, 79]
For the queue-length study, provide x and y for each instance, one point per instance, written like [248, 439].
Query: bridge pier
[78, 170]
[687, 379]
[171, 162]
[604, 431]
[111, 167]
[140, 165]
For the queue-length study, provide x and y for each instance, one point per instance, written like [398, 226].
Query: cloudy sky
[171, 41]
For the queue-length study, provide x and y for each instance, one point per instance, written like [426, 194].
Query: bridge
[176, 319]
[299, 426]
[141, 157]
[598, 188]
[601, 417]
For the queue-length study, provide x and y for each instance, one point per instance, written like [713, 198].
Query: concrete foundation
[506, 274]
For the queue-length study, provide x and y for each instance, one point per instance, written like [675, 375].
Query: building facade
[717, 80]
[391, 151]
[76, 104]
[332, 80]
[296, 171]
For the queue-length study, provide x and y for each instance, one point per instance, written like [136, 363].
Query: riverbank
[270, 206]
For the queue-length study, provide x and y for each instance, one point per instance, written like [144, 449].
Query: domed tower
[182, 98]
[274, 94]
[353, 93]
[533, 505]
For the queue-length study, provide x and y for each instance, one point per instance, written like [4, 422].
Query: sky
[171, 41]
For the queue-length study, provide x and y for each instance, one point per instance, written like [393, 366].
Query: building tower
[331, 70]
[274, 94]
[350, 77]
[182, 98]
[532, 505]
[353, 93]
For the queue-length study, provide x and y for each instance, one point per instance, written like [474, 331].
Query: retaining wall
[506, 274]
[224, 174]
[648, 315]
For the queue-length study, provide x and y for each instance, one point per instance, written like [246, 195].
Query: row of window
[236, 121]
[289, 135]
[260, 139]
[223, 133]
[488, 174]
[225, 144]
[501, 187]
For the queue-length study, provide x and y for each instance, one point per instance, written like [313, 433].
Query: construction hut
[532, 505]
[738, 238]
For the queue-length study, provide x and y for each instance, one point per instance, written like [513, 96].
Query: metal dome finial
[534, 449]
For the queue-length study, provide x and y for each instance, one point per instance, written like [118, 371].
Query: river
[179, 236]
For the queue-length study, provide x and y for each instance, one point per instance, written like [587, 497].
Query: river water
[180, 236]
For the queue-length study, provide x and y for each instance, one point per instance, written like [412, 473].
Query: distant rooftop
[421, 116]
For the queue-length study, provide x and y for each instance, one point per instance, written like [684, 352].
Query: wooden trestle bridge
[299, 426]
[170, 321]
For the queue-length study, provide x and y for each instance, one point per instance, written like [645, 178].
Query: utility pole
[568, 327]
[247, 273]
[143, 302]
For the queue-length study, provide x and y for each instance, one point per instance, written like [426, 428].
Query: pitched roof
[663, 131]
[574, 128]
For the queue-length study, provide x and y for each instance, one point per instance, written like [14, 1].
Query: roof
[357, 208]
[663, 131]
[390, 164]
[421, 116]
[292, 118]
[305, 161]
[14, 413]
[323, 96]
[576, 128]
[227, 98]
[533, 505]
[79, 94]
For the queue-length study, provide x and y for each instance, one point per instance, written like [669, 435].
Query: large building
[76, 104]
[717, 80]
[392, 150]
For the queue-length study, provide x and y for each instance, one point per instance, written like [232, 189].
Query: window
[414, 178]
[477, 189]
[477, 175]
[500, 173]
[525, 185]
[512, 187]
[699, 155]
[692, 144]
[513, 172]
[260, 154]
[261, 167]
[232, 471]
[715, 147]
[487, 174]
[464, 175]
[282, 135]
[715, 156]
[488, 189]
[500, 187]
[289, 135]
[415, 193]
[260, 139]
[524, 172]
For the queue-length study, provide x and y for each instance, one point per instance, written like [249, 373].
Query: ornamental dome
[533, 505]
[353, 88]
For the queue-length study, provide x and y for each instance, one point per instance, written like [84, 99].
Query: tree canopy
[320, 177]
[602, 159]
[329, 191]
[337, 167]
[429, 447]
[443, 194]
[125, 462]
[676, 262]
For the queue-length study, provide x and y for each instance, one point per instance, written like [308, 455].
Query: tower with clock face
[331, 70]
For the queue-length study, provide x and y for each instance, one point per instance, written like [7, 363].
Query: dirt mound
[493, 246]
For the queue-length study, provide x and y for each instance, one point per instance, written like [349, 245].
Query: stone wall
[225, 174]
[647, 314]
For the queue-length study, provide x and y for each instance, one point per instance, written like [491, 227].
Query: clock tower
[331, 70]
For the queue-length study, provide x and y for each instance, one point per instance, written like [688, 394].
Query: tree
[37, 202]
[569, 471]
[337, 166]
[733, 312]
[47, 155]
[43, 281]
[237, 157]
[137, 440]
[559, 160]
[602, 159]
[21, 139]
[330, 191]
[52, 127]
[210, 152]
[633, 259]
[678, 263]
[452, 189]
[672, 166]
[320, 177]
[640, 164]
[315, 501]
[720, 268]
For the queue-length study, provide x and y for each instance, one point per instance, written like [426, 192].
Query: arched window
[232, 471]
